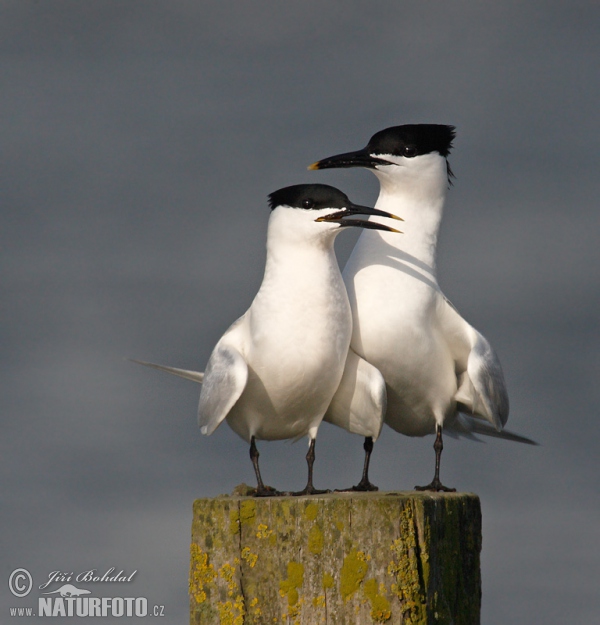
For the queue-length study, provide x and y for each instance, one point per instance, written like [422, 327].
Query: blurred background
[139, 141]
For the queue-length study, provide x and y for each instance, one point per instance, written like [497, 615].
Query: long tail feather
[483, 428]
[468, 426]
[194, 376]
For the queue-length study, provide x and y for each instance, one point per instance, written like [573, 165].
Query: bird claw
[267, 491]
[436, 486]
[361, 487]
[309, 490]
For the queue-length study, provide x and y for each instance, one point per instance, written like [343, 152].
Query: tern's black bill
[341, 216]
[360, 158]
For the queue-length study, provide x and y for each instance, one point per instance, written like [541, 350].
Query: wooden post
[341, 558]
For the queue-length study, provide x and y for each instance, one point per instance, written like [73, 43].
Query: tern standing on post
[274, 372]
[436, 366]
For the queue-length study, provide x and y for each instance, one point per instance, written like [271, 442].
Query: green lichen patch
[311, 511]
[234, 521]
[315, 540]
[319, 601]
[242, 490]
[354, 569]
[328, 581]
[247, 511]
[405, 568]
[293, 583]
[381, 609]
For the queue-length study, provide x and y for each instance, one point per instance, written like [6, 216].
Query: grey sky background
[139, 141]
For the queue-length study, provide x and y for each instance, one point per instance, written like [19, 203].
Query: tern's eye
[409, 151]
[308, 203]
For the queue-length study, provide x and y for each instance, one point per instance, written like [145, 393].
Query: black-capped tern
[441, 373]
[274, 372]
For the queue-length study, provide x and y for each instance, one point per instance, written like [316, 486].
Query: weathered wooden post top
[339, 558]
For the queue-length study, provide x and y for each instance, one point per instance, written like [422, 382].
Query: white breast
[297, 335]
[394, 295]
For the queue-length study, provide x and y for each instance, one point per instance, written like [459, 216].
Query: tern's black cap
[320, 196]
[412, 140]
[309, 196]
[408, 141]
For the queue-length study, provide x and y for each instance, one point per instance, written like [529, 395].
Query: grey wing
[482, 390]
[224, 381]
[360, 401]
[194, 376]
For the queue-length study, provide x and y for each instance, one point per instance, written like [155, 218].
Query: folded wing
[482, 390]
[225, 378]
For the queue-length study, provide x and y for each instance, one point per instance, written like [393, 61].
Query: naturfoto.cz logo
[72, 601]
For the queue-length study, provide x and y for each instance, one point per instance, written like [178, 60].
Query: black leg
[261, 490]
[364, 484]
[310, 460]
[436, 485]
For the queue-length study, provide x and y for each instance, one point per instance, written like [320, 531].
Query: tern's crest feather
[413, 140]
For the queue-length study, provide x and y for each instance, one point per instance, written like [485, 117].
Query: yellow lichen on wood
[354, 569]
[315, 540]
[232, 612]
[227, 573]
[263, 531]
[248, 511]
[254, 607]
[342, 558]
[405, 568]
[234, 521]
[202, 574]
[319, 601]
[311, 511]
[289, 587]
[249, 557]
[380, 606]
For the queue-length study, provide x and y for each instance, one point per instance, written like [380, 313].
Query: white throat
[301, 270]
[415, 191]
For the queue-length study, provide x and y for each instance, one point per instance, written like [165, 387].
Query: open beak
[360, 158]
[340, 217]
